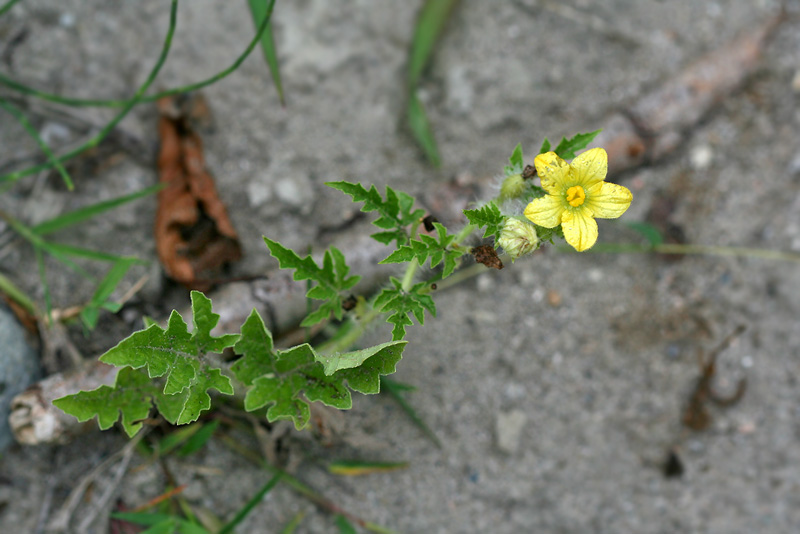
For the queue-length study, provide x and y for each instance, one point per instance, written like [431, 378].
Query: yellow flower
[576, 195]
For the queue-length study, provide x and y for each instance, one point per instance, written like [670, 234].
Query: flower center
[575, 196]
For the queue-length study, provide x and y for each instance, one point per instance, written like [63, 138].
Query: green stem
[8, 5]
[94, 141]
[464, 233]
[699, 250]
[408, 277]
[84, 102]
[51, 157]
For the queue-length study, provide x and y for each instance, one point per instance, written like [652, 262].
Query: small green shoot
[261, 12]
[430, 23]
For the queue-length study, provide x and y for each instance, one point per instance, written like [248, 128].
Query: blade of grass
[252, 503]
[87, 212]
[91, 313]
[431, 21]
[61, 250]
[301, 488]
[51, 157]
[258, 8]
[83, 102]
[94, 141]
[196, 442]
[357, 467]
[389, 387]
[344, 525]
[292, 525]
[14, 293]
[8, 5]
[40, 245]
[421, 128]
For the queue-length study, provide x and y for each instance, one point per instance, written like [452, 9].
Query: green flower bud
[518, 238]
[513, 187]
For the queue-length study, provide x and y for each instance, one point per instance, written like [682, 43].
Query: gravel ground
[557, 386]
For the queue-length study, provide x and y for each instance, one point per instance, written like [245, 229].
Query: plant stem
[94, 141]
[85, 102]
[8, 5]
[51, 157]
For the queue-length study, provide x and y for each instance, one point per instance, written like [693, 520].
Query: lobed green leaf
[130, 398]
[399, 304]
[287, 381]
[567, 147]
[516, 163]
[331, 278]
[488, 216]
[395, 213]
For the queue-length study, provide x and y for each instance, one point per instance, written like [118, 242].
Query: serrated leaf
[331, 278]
[255, 345]
[348, 360]
[429, 247]
[488, 216]
[173, 352]
[130, 398]
[286, 381]
[516, 162]
[395, 213]
[648, 231]
[567, 147]
[545, 146]
[399, 304]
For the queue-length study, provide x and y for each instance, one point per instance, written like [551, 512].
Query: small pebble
[701, 157]
[508, 428]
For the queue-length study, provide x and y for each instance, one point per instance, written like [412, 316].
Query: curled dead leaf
[194, 235]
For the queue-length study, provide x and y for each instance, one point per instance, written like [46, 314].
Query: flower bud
[513, 187]
[518, 238]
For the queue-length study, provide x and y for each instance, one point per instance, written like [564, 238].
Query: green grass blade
[292, 525]
[358, 467]
[51, 157]
[17, 295]
[8, 5]
[94, 141]
[198, 441]
[252, 503]
[431, 21]
[91, 313]
[60, 250]
[79, 215]
[421, 129]
[259, 10]
[345, 527]
[83, 102]
[389, 387]
[40, 245]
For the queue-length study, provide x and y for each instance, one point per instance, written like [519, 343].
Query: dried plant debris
[194, 235]
[487, 255]
[696, 415]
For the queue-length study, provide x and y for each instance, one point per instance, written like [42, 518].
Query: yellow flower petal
[589, 168]
[552, 170]
[545, 211]
[608, 201]
[580, 229]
